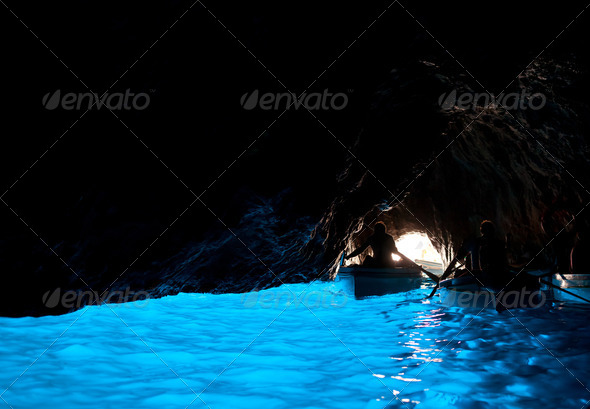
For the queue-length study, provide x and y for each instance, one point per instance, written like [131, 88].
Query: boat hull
[467, 292]
[432, 266]
[464, 292]
[365, 282]
[578, 284]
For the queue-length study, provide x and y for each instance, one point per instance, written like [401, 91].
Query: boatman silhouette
[382, 245]
[486, 258]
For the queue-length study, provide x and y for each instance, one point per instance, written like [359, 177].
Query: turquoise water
[344, 353]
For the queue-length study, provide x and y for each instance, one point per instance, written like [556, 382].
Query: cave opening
[417, 247]
[413, 244]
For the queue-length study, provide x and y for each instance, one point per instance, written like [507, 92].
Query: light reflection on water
[345, 353]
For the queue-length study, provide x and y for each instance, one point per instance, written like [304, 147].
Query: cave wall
[295, 230]
[106, 207]
[462, 166]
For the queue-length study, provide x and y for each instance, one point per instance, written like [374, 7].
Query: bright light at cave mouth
[417, 246]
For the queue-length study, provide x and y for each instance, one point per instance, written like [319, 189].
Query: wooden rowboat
[364, 281]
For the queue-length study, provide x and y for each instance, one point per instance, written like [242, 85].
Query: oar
[436, 287]
[430, 275]
[550, 284]
[433, 291]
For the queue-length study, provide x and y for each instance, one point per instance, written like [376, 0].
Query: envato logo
[504, 300]
[88, 100]
[313, 101]
[512, 100]
[77, 299]
[281, 298]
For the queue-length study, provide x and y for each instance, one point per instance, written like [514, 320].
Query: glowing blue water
[346, 353]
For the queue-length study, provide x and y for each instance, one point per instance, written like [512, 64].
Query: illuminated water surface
[344, 353]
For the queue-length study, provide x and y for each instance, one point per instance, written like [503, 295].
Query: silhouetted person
[486, 254]
[382, 245]
[558, 222]
[579, 261]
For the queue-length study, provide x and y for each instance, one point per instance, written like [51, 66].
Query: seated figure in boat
[485, 256]
[383, 247]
